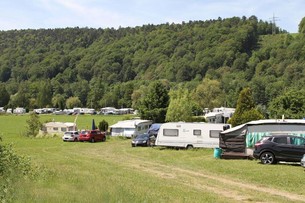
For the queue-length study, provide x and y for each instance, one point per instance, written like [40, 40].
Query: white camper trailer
[190, 135]
[130, 128]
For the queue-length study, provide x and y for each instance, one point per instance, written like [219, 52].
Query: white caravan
[130, 128]
[190, 135]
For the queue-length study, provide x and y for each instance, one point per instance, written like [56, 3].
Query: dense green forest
[212, 61]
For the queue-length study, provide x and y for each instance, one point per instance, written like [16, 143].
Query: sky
[36, 14]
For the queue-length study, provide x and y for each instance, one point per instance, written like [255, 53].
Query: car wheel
[267, 158]
[104, 139]
[75, 140]
[92, 140]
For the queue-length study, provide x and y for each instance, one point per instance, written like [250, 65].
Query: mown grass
[113, 171]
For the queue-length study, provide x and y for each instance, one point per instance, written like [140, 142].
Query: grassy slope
[113, 171]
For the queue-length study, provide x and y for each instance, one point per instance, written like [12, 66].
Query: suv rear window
[297, 141]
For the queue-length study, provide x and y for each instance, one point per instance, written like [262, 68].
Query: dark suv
[274, 148]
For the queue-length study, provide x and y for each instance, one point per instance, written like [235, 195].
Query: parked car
[303, 161]
[92, 136]
[143, 140]
[274, 148]
[71, 136]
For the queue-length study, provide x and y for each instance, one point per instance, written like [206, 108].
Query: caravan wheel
[189, 147]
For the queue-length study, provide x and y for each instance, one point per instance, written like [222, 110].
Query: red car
[92, 136]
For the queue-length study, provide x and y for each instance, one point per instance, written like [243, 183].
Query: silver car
[303, 161]
[71, 136]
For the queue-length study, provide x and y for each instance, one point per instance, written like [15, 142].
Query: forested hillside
[212, 60]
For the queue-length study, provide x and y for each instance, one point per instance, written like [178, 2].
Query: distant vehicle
[70, 136]
[274, 148]
[92, 136]
[303, 161]
[143, 140]
[189, 135]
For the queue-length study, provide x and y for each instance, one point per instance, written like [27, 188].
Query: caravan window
[197, 132]
[170, 132]
[214, 133]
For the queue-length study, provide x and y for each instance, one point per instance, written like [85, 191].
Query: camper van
[190, 135]
[130, 128]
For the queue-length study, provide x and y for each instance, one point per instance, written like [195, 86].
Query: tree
[245, 109]
[153, 106]
[209, 94]
[58, 101]
[44, 97]
[33, 125]
[72, 102]
[103, 126]
[302, 26]
[4, 95]
[180, 106]
[291, 104]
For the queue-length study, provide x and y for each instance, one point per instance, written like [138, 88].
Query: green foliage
[154, 102]
[73, 102]
[4, 95]
[245, 109]
[13, 167]
[103, 126]
[113, 67]
[302, 26]
[33, 125]
[291, 104]
[208, 94]
[180, 106]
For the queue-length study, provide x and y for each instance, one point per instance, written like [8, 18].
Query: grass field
[113, 171]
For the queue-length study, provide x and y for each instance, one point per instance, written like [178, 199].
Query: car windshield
[142, 136]
[67, 133]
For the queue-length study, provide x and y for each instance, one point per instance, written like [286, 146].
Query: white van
[190, 135]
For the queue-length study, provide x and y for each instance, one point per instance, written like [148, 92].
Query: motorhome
[190, 135]
[130, 128]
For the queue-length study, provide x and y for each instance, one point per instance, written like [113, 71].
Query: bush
[103, 126]
[33, 125]
[12, 168]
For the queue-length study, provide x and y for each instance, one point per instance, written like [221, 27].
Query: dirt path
[232, 190]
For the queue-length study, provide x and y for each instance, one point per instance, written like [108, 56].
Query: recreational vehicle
[238, 142]
[189, 135]
[130, 128]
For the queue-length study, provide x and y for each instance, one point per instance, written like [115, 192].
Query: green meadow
[113, 171]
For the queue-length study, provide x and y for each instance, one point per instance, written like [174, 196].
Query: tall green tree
[180, 106]
[153, 105]
[291, 104]
[245, 109]
[209, 94]
[44, 97]
[4, 95]
[72, 102]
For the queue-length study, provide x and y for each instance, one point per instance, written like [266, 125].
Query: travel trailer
[189, 135]
[130, 128]
[238, 142]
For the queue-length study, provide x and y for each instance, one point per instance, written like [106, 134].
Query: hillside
[103, 67]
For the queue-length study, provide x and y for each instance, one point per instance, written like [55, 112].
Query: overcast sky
[35, 14]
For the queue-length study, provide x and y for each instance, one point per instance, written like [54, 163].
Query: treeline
[112, 67]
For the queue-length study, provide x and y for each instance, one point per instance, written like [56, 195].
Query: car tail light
[257, 145]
